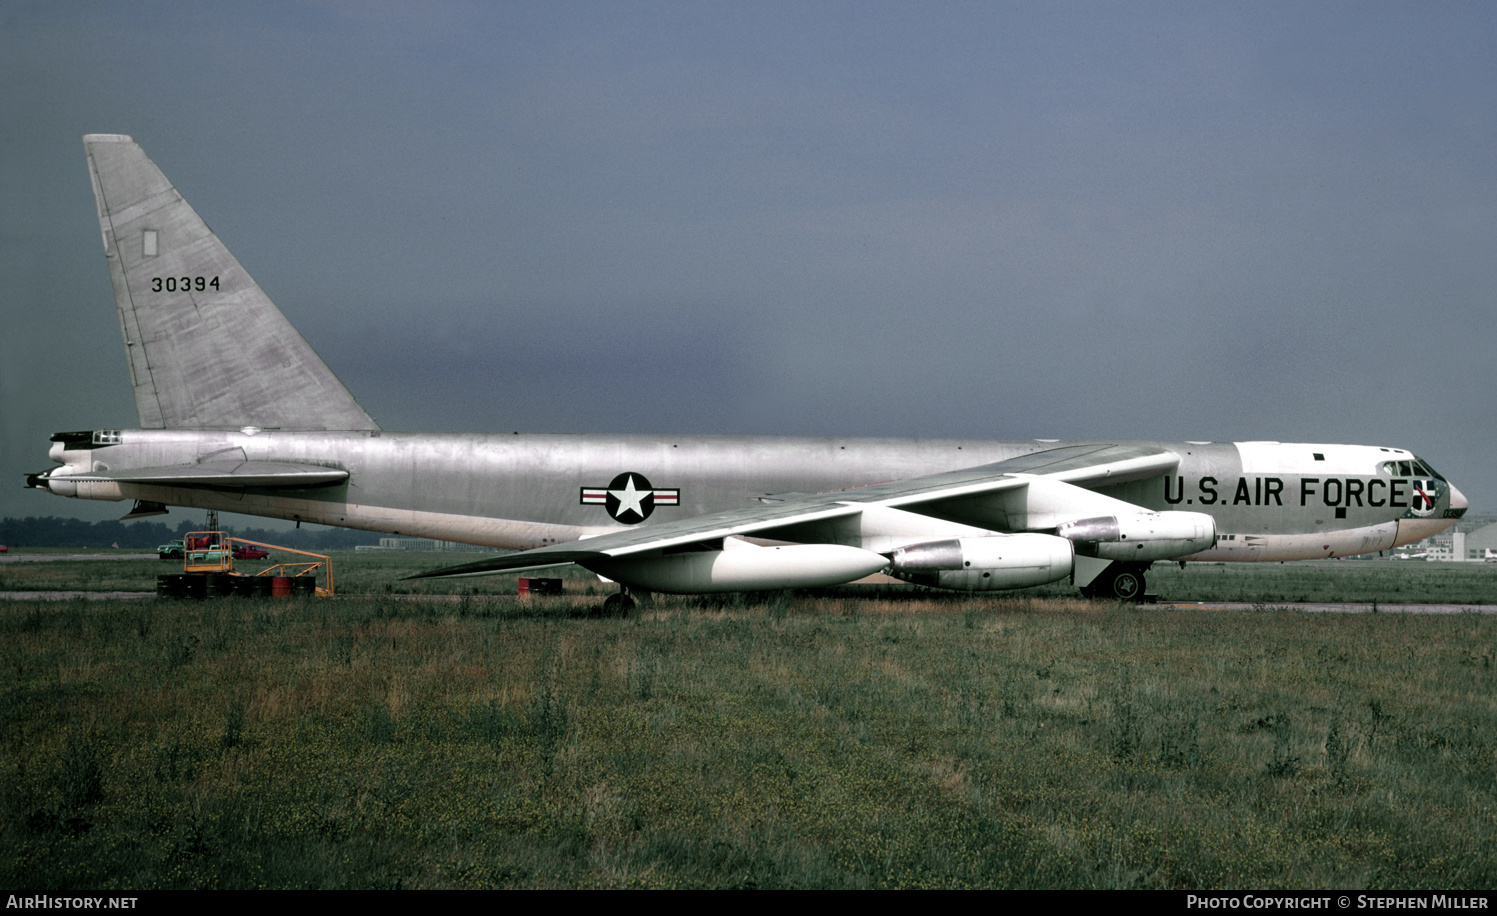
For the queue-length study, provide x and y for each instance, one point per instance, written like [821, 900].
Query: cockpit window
[1415, 468]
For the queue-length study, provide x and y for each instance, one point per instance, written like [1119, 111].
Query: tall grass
[795, 741]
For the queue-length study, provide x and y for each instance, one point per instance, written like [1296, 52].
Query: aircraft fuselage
[1271, 501]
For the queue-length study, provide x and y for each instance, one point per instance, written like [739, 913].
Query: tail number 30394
[185, 284]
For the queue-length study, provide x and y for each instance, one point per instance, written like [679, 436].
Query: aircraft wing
[954, 495]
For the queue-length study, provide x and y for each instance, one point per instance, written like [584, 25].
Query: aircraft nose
[1457, 499]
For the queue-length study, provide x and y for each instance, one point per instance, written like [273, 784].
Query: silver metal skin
[992, 563]
[1141, 536]
[239, 414]
[931, 556]
[1091, 530]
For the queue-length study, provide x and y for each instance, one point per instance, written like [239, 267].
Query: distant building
[1460, 544]
[425, 544]
[1481, 544]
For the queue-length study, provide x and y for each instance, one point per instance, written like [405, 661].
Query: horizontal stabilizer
[144, 508]
[220, 474]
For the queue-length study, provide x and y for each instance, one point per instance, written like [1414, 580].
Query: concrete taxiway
[1326, 608]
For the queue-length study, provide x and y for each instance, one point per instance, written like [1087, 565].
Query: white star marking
[630, 498]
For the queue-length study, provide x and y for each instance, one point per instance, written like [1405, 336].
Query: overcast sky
[1007, 220]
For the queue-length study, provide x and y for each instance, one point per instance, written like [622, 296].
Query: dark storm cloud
[1144, 221]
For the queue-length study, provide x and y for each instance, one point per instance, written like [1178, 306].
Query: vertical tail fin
[206, 347]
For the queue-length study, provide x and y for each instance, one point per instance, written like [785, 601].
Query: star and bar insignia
[629, 498]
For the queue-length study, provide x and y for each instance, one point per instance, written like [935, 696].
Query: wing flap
[656, 537]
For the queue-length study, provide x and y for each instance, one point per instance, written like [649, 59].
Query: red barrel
[280, 586]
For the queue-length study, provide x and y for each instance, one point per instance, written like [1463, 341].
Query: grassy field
[790, 741]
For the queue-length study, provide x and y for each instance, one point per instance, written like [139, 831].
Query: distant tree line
[71, 532]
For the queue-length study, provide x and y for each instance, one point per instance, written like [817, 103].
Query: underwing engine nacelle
[1147, 536]
[743, 567]
[985, 563]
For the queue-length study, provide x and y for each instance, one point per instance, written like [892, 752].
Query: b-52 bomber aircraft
[237, 413]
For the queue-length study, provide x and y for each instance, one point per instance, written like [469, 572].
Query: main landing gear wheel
[1127, 586]
[618, 605]
[1118, 585]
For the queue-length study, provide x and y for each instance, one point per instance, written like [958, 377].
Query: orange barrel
[280, 586]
